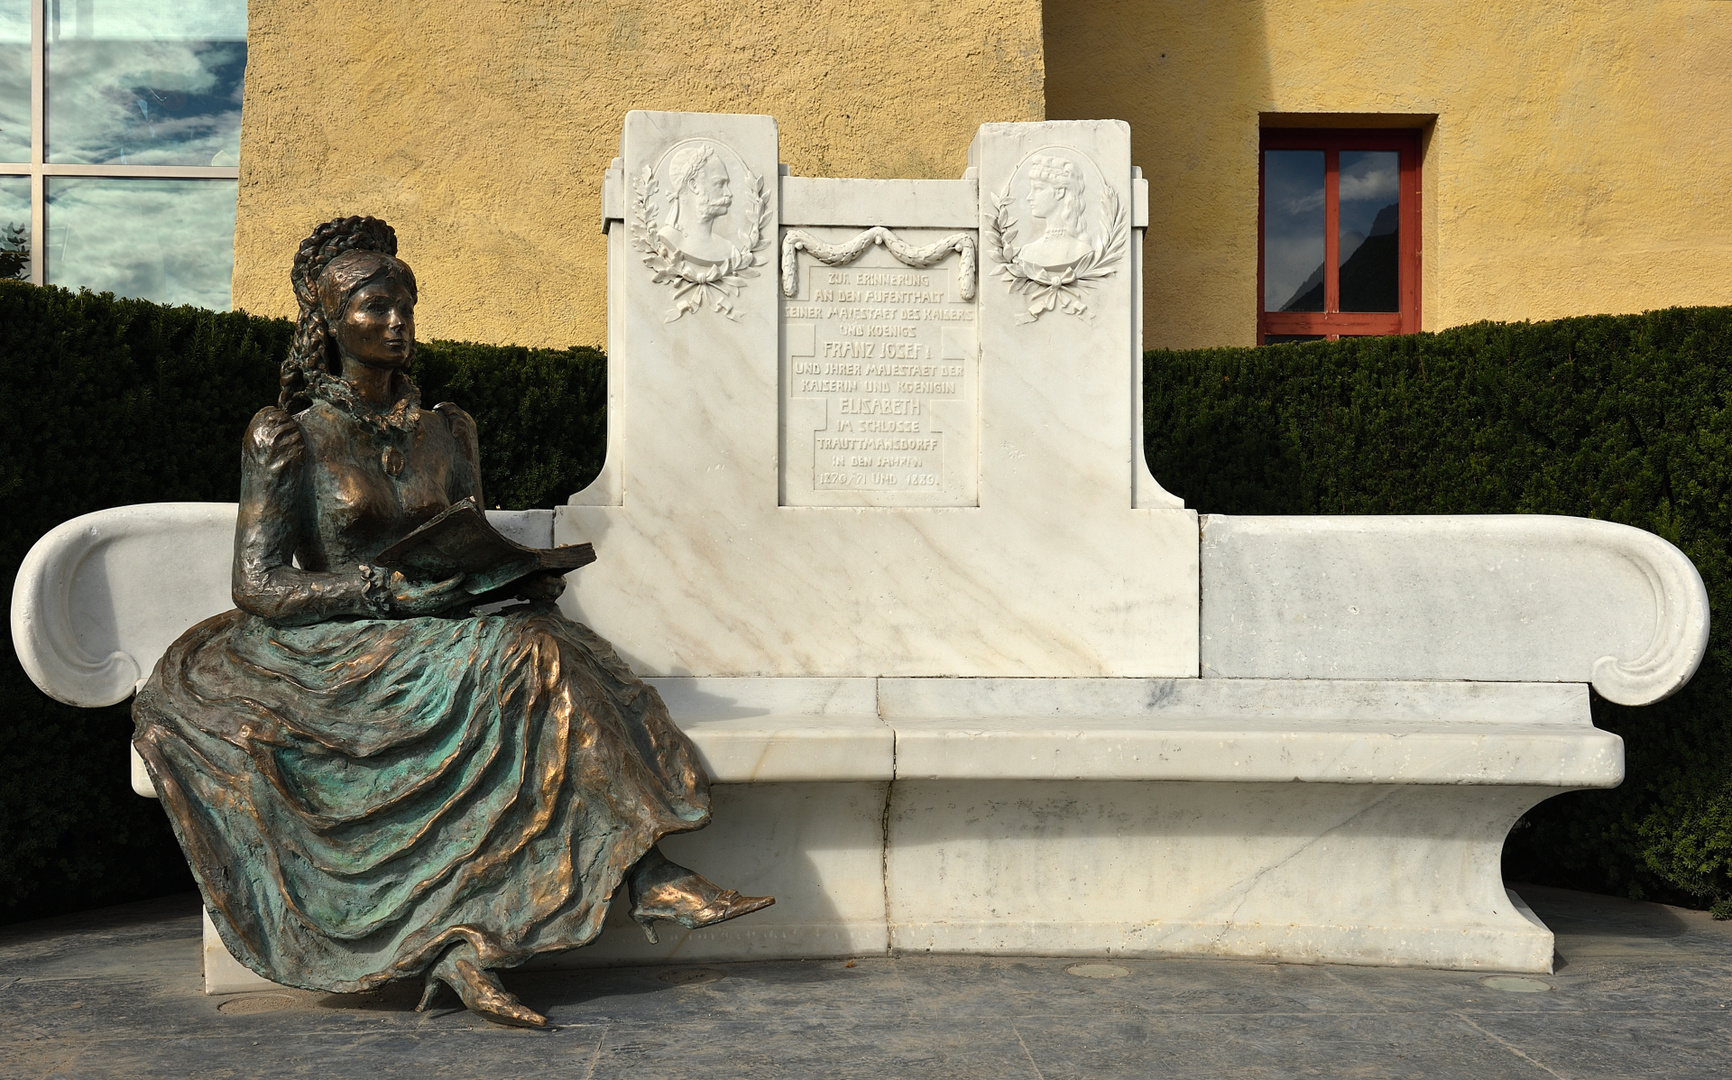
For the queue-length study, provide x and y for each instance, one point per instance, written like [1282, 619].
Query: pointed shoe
[692, 901]
[481, 993]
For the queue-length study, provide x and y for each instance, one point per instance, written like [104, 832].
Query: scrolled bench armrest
[1497, 598]
[101, 597]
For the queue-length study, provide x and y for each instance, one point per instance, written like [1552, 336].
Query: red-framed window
[1337, 233]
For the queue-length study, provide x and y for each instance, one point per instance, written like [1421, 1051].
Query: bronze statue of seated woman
[371, 781]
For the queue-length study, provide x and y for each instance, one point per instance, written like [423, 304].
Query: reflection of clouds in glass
[1292, 222]
[14, 199]
[15, 21]
[14, 101]
[1375, 184]
[144, 102]
[153, 20]
[1370, 184]
[171, 241]
[1369, 174]
[1291, 267]
[15, 80]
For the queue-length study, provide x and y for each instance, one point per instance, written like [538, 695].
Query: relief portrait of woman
[370, 781]
[1056, 199]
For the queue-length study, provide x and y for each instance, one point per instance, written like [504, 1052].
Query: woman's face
[1042, 199]
[378, 326]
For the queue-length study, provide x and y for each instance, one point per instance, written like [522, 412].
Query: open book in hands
[461, 541]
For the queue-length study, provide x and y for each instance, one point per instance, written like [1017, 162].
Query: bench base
[1396, 874]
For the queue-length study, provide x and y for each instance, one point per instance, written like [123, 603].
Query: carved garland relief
[798, 240]
[1077, 231]
[698, 235]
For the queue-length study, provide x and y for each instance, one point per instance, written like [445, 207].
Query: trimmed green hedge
[1623, 418]
[107, 402]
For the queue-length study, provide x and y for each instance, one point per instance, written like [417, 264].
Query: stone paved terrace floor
[1640, 991]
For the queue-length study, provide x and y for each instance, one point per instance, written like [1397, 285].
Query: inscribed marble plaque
[880, 402]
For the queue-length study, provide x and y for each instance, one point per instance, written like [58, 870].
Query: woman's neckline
[400, 417]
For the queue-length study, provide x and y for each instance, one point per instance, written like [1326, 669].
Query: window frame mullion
[1331, 234]
[38, 142]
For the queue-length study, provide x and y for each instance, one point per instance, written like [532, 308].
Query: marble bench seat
[1228, 730]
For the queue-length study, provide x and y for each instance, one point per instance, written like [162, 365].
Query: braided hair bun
[314, 347]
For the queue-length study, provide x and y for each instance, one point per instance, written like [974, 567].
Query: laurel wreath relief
[1065, 290]
[698, 286]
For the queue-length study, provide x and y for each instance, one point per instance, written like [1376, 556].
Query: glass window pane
[15, 80]
[146, 82]
[15, 227]
[1370, 235]
[172, 241]
[1293, 230]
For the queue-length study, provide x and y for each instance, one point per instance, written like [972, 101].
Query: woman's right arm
[273, 498]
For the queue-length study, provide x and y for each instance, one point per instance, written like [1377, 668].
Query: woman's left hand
[542, 588]
[430, 598]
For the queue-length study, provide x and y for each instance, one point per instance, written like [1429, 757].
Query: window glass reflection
[15, 80]
[15, 227]
[171, 241]
[146, 82]
[1293, 230]
[1370, 230]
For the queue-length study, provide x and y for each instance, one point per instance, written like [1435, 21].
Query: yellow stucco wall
[481, 128]
[1578, 163]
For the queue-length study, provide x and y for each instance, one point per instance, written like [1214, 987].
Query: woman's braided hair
[315, 344]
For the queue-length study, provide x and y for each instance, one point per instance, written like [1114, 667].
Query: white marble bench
[1382, 698]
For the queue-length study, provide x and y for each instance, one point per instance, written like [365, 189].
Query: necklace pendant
[392, 460]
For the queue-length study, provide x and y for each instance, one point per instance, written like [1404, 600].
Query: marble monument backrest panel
[879, 427]
[880, 397]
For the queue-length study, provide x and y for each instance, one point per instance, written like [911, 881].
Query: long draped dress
[356, 793]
